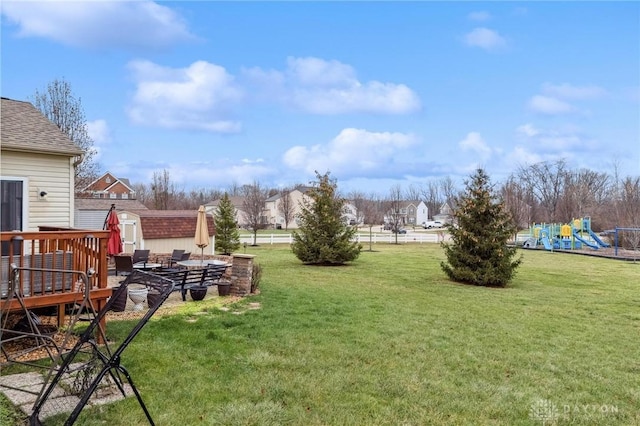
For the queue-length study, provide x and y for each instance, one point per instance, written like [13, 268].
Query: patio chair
[186, 255]
[124, 264]
[176, 256]
[141, 256]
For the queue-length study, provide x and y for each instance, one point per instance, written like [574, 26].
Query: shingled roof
[105, 204]
[157, 224]
[24, 128]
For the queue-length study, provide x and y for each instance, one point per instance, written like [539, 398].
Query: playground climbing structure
[572, 236]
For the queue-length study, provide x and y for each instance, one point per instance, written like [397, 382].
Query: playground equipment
[571, 236]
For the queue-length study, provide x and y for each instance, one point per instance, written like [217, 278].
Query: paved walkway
[23, 390]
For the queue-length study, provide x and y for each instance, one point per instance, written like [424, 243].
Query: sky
[379, 94]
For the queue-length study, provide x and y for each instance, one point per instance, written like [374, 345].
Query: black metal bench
[187, 278]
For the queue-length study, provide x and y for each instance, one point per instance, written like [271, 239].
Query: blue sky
[377, 93]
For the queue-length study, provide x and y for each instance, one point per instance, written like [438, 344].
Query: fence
[361, 237]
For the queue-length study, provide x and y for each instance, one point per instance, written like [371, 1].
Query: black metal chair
[83, 379]
[140, 256]
[186, 255]
[124, 264]
[176, 256]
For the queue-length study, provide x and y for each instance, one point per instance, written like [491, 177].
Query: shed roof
[24, 128]
[157, 224]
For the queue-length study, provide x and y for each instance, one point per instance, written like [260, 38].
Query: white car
[432, 224]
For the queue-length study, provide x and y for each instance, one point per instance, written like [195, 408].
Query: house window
[125, 196]
[108, 179]
[113, 195]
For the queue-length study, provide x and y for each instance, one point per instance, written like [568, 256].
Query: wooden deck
[83, 251]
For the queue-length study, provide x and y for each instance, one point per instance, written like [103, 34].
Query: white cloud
[99, 132]
[473, 142]
[201, 96]
[521, 156]
[479, 16]
[320, 73]
[528, 130]
[352, 152]
[571, 92]
[485, 38]
[548, 105]
[99, 24]
[319, 86]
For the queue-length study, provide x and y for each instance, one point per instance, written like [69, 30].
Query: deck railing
[54, 248]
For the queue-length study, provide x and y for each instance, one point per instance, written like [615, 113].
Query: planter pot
[120, 303]
[198, 292]
[153, 299]
[138, 296]
[224, 288]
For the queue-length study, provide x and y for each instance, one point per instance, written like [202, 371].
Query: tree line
[548, 191]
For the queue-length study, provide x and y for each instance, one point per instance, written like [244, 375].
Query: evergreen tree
[478, 253]
[323, 238]
[227, 235]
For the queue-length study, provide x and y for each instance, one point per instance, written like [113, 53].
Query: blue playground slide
[585, 242]
[545, 242]
[598, 240]
[544, 239]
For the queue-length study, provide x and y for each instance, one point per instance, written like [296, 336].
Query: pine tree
[323, 238]
[478, 253]
[227, 235]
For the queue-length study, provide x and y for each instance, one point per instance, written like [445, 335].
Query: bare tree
[629, 203]
[286, 207]
[449, 191]
[432, 198]
[586, 193]
[358, 200]
[546, 181]
[394, 209]
[62, 108]
[514, 195]
[373, 210]
[160, 189]
[253, 206]
[413, 193]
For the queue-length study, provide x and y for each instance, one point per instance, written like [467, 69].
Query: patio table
[146, 266]
[194, 263]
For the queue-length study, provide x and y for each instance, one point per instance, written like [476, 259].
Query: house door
[11, 210]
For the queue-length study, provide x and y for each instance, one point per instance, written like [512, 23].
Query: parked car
[432, 224]
[399, 231]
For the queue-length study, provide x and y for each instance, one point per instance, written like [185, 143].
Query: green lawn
[389, 341]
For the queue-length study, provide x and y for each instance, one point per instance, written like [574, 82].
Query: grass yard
[390, 341]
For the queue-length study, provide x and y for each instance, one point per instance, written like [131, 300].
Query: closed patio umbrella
[114, 245]
[202, 231]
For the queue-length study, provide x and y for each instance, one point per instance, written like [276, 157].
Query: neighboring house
[350, 214]
[162, 231]
[111, 187]
[272, 210]
[91, 213]
[413, 213]
[446, 213]
[36, 170]
[237, 202]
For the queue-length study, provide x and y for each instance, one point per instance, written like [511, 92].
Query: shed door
[129, 232]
